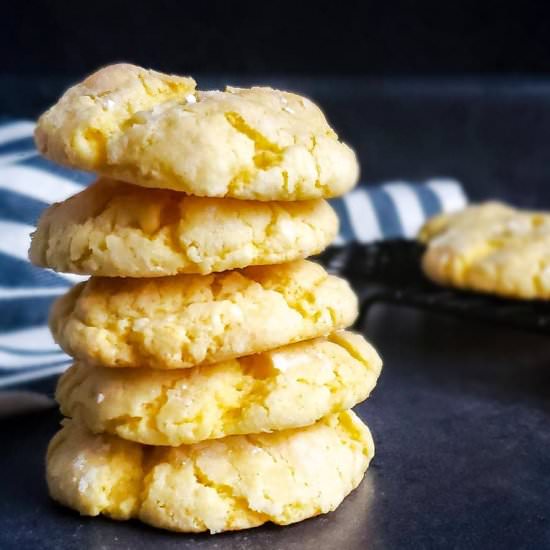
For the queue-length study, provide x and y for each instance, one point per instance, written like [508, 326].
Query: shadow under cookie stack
[213, 380]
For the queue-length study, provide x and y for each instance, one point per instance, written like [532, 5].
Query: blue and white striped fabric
[28, 183]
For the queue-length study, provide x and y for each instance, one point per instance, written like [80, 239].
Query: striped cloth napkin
[28, 183]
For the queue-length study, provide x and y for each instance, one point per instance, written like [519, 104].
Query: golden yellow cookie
[285, 388]
[115, 229]
[227, 484]
[185, 320]
[155, 130]
[490, 248]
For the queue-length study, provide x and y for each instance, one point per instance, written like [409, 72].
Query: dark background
[317, 38]
[420, 88]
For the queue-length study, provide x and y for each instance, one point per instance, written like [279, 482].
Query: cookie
[156, 130]
[240, 396]
[226, 484]
[490, 248]
[185, 320]
[114, 229]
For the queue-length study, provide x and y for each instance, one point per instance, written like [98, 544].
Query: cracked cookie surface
[240, 396]
[186, 320]
[227, 484]
[114, 229]
[156, 130]
[490, 248]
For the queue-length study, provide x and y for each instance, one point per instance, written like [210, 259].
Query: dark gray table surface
[461, 422]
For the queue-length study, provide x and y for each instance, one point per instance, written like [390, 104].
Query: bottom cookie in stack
[225, 484]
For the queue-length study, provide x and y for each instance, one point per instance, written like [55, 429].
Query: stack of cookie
[213, 379]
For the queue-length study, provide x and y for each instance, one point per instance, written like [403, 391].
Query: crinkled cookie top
[490, 248]
[157, 130]
[114, 229]
[185, 320]
[241, 396]
[232, 483]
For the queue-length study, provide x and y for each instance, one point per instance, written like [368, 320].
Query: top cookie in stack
[156, 130]
[209, 202]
